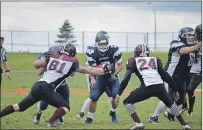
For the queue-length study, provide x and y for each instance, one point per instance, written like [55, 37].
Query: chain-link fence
[40, 41]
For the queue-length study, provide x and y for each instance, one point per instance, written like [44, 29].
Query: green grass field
[22, 62]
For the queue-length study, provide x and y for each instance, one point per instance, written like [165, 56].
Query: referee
[3, 60]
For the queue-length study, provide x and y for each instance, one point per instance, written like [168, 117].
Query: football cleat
[190, 114]
[169, 116]
[88, 121]
[80, 115]
[60, 121]
[186, 127]
[114, 117]
[137, 126]
[153, 119]
[51, 124]
[37, 118]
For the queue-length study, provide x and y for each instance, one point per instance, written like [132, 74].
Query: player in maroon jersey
[58, 66]
[151, 74]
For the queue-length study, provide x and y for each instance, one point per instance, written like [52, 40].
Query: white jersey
[148, 70]
[196, 66]
[58, 68]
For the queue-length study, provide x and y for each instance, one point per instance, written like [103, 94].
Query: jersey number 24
[146, 64]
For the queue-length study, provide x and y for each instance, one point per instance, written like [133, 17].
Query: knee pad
[94, 97]
[125, 101]
[43, 105]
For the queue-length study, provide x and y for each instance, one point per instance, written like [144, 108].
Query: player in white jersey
[56, 67]
[151, 75]
[197, 72]
[180, 59]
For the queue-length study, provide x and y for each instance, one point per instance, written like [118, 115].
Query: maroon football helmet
[141, 50]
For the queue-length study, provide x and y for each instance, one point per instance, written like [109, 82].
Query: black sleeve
[166, 77]
[125, 81]
[130, 68]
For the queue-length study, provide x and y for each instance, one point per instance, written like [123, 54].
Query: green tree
[66, 33]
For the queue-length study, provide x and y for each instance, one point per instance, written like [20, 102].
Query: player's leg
[163, 96]
[195, 81]
[160, 107]
[97, 91]
[64, 91]
[185, 106]
[56, 100]
[110, 99]
[181, 90]
[139, 94]
[24, 104]
[87, 101]
[114, 87]
[40, 107]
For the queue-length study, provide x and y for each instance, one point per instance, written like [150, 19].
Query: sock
[7, 110]
[90, 115]
[85, 105]
[131, 110]
[159, 109]
[181, 120]
[191, 104]
[57, 114]
[110, 104]
[174, 110]
[38, 108]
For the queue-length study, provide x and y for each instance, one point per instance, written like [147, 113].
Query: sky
[96, 16]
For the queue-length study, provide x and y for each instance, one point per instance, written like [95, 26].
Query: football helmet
[187, 35]
[141, 50]
[102, 41]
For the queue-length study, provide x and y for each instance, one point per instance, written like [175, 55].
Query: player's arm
[118, 58]
[124, 82]
[106, 69]
[130, 67]
[189, 49]
[166, 77]
[4, 59]
[40, 71]
[40, 63]
[5, 64]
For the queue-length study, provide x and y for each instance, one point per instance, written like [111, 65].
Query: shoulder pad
[114, 46]
[176, 43]
[90, 50]
[52, 54]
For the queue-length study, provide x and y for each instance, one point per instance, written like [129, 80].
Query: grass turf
[22, 62]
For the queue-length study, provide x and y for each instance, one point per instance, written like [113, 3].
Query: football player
[103, 53]
[63, 90]
[90, 83]
[197, 72]
[180, 59]
[151, 75]
[58, 67]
